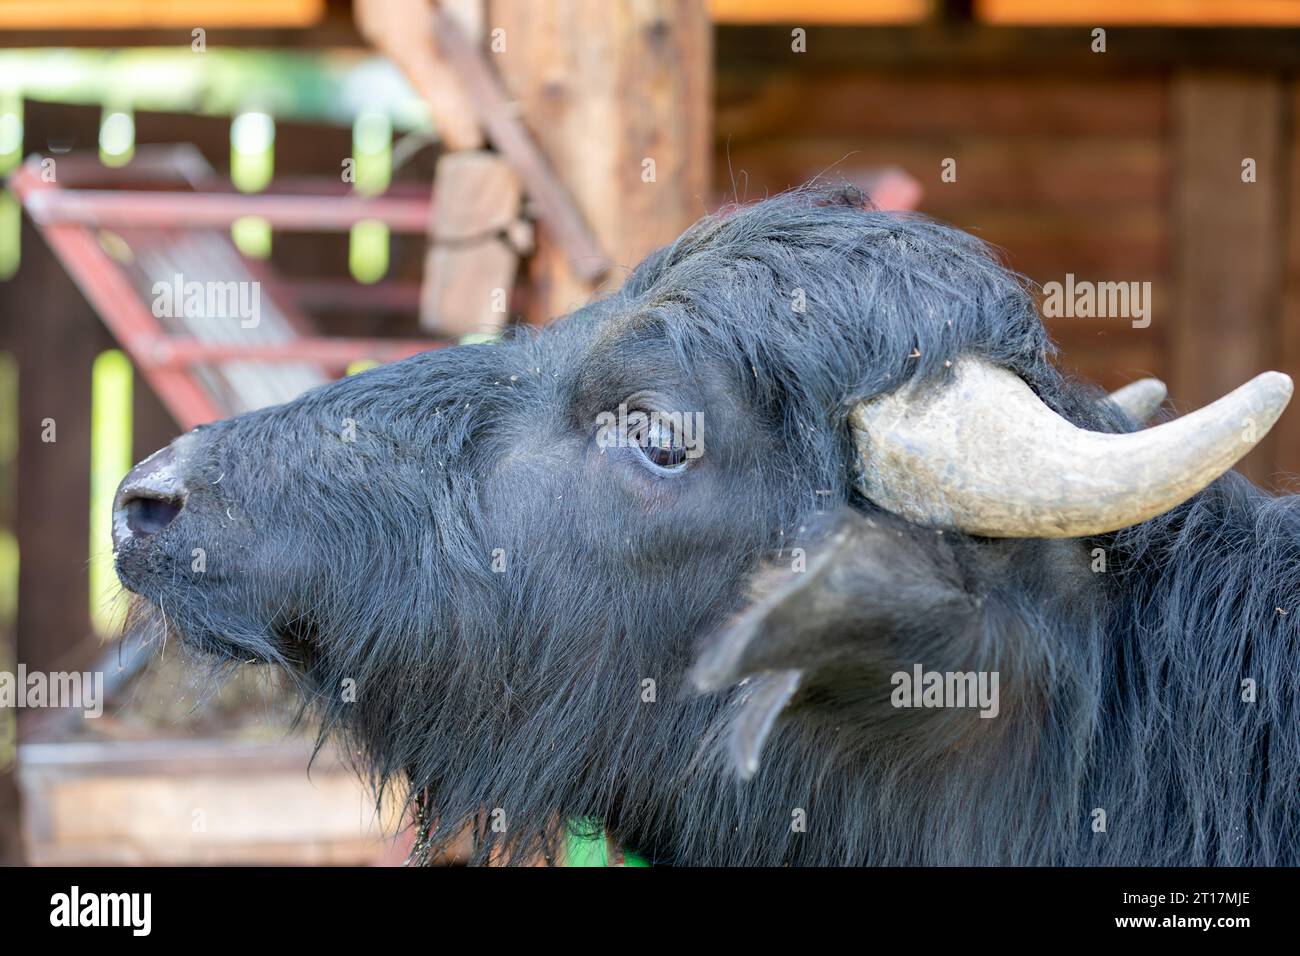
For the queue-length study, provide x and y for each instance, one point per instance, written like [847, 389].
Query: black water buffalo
[795, 550]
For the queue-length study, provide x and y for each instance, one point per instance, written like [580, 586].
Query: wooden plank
[335, 30]
[183, 756]
[1114, 363]
[206, 819]
[10, 842]
[398, 28]
[622, 109]
[467, 287]
[150, 14]
[476, 193]
[470, 268]
[1228, 259]
[1199, 13]
[1084, 173]
[1113, 245]
[55, 336]
[1110, 356]
[205, 801]
[820, 11]
[765, 103]
[978, 48]
[1287, 429]
[499, 118]
[58, 342]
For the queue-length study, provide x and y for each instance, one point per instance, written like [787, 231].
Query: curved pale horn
[1139, 400]
[983, 454]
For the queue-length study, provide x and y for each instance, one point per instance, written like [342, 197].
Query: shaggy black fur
[368, 563]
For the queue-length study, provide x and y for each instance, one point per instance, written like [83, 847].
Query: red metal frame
[70, 217]
[138, 208]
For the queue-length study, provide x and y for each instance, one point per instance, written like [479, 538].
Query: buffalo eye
[662, 447]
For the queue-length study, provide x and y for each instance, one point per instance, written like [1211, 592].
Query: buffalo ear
[765, 700]
[877, 594]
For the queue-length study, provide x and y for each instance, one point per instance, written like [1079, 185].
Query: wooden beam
[59, 337]
[978, 47]
[395, 27]
[1229, 250]
[820, 11]
[622, 108]
[478, 194]
[10, 831]
[470, 269]
[1003, 110]
[1287, 429]
[102, 802]
[335, 30]
[500, 120]
[1199, 13]
[137, 14]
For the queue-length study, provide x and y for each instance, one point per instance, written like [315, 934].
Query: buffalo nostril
[146, 515]
[152, 494]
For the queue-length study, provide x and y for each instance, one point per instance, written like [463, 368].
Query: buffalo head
[596, 572]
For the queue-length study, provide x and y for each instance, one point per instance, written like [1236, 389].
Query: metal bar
[138, 209]
[173, 352]
[316, 186]
[166, 361]
[111, 295]
[326, 294]
[153, 164]
[130, 322]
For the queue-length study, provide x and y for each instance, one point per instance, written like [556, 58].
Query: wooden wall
[1123, 167]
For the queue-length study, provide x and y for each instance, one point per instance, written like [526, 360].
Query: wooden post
[400, 30]
[58, 337]
[619, 97]
[10, 831]
[1230, 249]
[55, 336]
[1287, 429]
[470, 267]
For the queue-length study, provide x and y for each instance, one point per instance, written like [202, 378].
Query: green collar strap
[589, 845]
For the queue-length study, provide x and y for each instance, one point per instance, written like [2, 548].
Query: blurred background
[358, 181]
